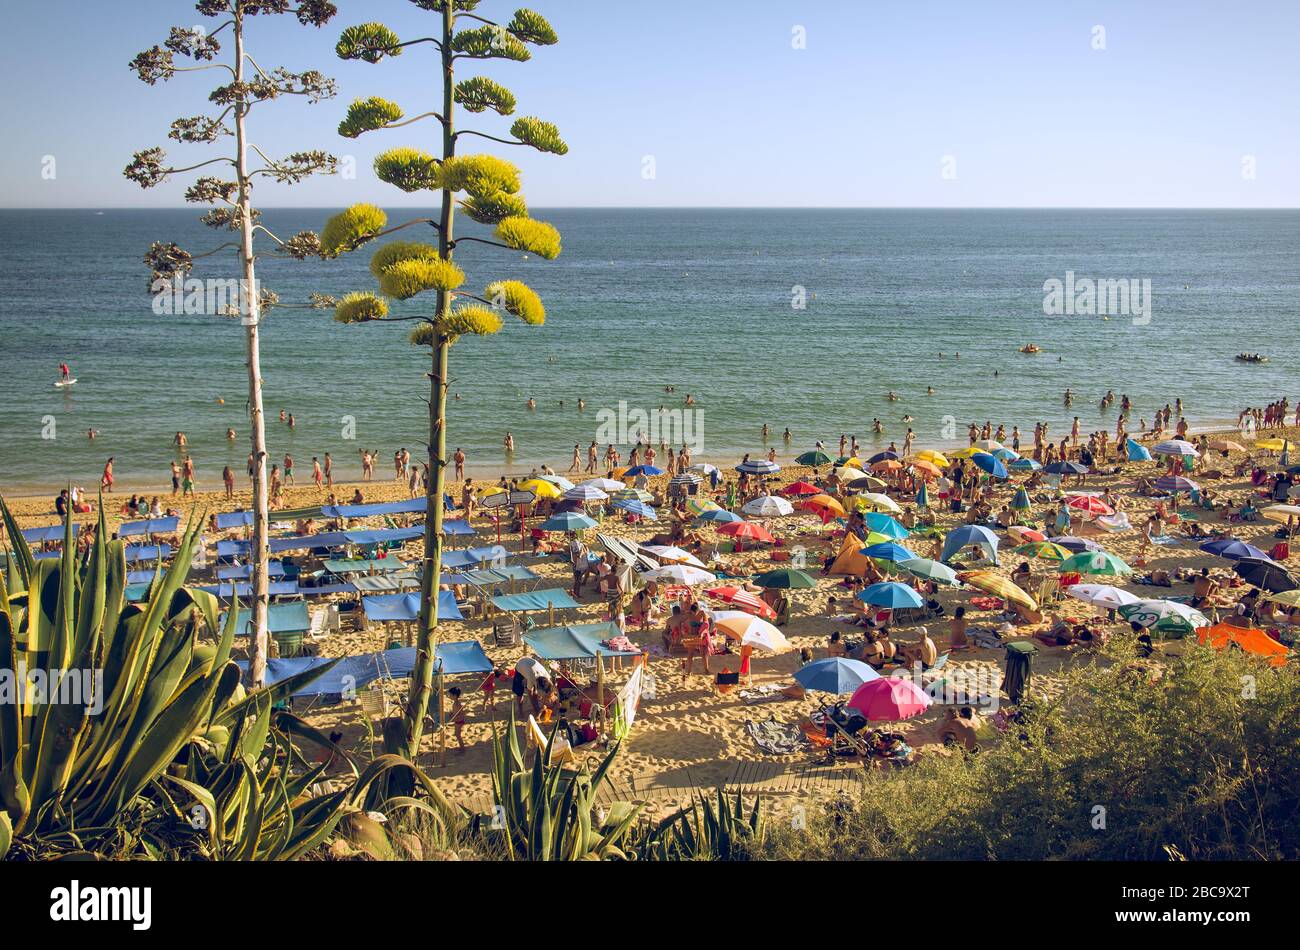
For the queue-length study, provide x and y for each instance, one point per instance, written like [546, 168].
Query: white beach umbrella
[847, 473]
[1281, 513]
[604, 484]
[559, 481]
[878, 501]
[585, 493]
[673, 555]
[704, 468]
[1102, 595]
[768, 506]
[680, 574]
[748, 629]
[758, 467]
[1175, 447]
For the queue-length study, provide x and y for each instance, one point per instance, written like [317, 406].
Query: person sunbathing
[923, 651]
[957, 639]
[960, 727]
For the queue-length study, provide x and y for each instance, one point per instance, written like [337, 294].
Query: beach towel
[762, 694]
[775, 738]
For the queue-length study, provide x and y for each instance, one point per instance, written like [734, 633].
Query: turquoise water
[643, 299]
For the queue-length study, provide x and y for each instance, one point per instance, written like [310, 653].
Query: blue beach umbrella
[1233, 549]
[1025, 465]
[718, 514]
[1021, 502]
[881, 523]
[568, 521]
[890, 594]
[836, 674]
[1066, 468]
[636, 507]
[967, 535]
[885, 456]
[889, 551]
[636, 470]
[1137, 452]
[923, 497]
[1006, 455]
[990, 464]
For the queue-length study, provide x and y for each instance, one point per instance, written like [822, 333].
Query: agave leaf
[6, 834]
[21, 559]
[204, 797]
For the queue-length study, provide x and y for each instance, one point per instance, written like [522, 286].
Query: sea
[796, 319]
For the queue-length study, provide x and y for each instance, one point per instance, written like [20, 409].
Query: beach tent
[850, 562]
[1137, 452]
[967, 535]
[548, 599]
[1249, 639]
[404, 608]
[132, 529]
[574, 641]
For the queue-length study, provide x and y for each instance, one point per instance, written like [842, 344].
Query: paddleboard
[64, 383]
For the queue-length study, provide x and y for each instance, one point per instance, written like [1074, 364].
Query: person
[957, 639]
[457, 716]
[923, 651]
[960, 727]
[329, 471]
[317, 474]
[61, 504]
[65, 372]
[106, 480]
[459, 459]
[187, 477]
[581, 561]
[176, 478]
[228, 478]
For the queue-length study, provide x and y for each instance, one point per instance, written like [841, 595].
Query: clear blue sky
[1030, 113]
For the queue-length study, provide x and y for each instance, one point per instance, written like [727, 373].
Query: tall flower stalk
[487, 189]
[232, 210]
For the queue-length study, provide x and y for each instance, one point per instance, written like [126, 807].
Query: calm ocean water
[643, 299]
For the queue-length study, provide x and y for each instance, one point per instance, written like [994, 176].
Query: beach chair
[1049, 591]
[508, 633]
[561, 752]
[374, 703]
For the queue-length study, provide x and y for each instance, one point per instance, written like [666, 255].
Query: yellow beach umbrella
[966, 452]
[877, 502]
[540, 488]
[698, 506]
[998, 586]
[933, 457]
[1271, 445]
[1282, 513]
[1287, 598]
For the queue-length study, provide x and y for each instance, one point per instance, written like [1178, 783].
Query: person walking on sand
[106, 480]
[317, 475]
[228, 479]
[329, 471]
[187, 477]
[576, 465]
[288, 469]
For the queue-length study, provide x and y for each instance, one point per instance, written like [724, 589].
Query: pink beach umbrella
[889, 699]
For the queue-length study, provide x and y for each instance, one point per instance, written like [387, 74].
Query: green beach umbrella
[931, 570]
[785, 579]
[1094, 562]
[813, 458]
[1045, 551]
[923, 497]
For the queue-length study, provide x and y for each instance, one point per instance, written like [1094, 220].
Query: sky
[732, 103]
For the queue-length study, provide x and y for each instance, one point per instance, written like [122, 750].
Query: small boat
[1031, 348]
[1251, 358]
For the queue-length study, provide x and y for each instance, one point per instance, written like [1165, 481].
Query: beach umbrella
[1025, 535]
[800, 488]
[888, 465]
[748, 629]
[836, 674]
[1024, 465]
[785, 579]
[698, 506]
[850, 460]
[990, 464]
[559, 481]
[568, 521]
[890, 594]
[1137, 452]
[703, 468]
[1102, 595]
[672, 555]
[1076, 544]
[638, 508]
[813, 458]
[746, 530]
[1089, 504]
[1234, 550]
[998, 586]
[1044, 551]
[989, 445]
[967, 535]
[886, 456]
[881, 523]
[967, 452]
[768, 506]
[823, 505]
[878, 502]
[1226, 445]
[889, 551]
[1094, 562]
[1176, 483]
[865, 483]
[931, 570]
[934, 458]
[1006, 455]
[647, 470]
[720, 515]
[1271, 445]
[758, 467]
[1065, 468]
[603, 484]
[743, 599]
[1249, 639]
[1164, 616]
[1265, 574]
[633, 494]
[889, 699]
[923, 497]
[925, 468]
[1282, 513]
[848, 473]
[684, 574]
[685, 478]
[585, 493]
[1021, 502]
[1175, 447]
[1287, 598]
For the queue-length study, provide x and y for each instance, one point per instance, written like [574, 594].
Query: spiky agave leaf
[535, 237]
[478, 175]
[479, 93]
[531, 27]
[490, 42]
[370, 42]
[543, 136]
[519, 299]
[395, 251]
[351, 228]
[489, 209]
[367, 115]
[406, 278]
[407, 168]
[360, 307]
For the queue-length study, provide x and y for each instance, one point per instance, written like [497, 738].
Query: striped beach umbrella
[743, 600]
[998, 586]
[1175, 447]
[568, 521]
[585, 493]
[635, 507]
[698, 506]
[685, 478]
[720, 515]
[768, 506]
[1024, 465]
[1043, 551]
[604, 484]
[633, 494]
[1094, 562]
[1176, 483]
[758, 467]
[1165, 616]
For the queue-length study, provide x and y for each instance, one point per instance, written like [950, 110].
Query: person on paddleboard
[66, 373]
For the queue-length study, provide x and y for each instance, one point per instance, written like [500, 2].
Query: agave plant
[123, 734]
[547, 813]
[701, 832]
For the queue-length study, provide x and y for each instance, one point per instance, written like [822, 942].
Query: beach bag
[1281, 551]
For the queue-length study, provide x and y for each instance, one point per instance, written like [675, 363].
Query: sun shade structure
[1137, 452]
[574, 642]
[405, 608]
[889, 551]
[813, 458]
[749, 630]
[890, 594]
[1249, 639]
[1175, 447]
[746, 530]
[990, 464]
[998, 586]
[281, 618]
[785, 579]
[1102, 595]
[1234, 550]
[768, 506]
[552, 597]
[970, 535]
[742, 599]
[881, 523]
[1268, 575]
[837, 674]
[889, 699]
[568, 521]
[758, 467]
[669, 554]
[1094, 562]
[133, 529]
[679, 574]
[1165, 616]
[931, 570]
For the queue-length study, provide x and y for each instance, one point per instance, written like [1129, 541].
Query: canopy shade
[574, 641]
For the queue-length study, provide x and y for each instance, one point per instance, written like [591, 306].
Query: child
[457, 715]
[490, 689]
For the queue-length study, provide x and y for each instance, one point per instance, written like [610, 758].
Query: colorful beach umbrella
[1282, 513]
[1271, 445]
[836, 674]
[768, 506]
[1176, 483]
[685, 479]
[635, 507]
[1006, 455]
[1164, 616]
[1025, 535]
[787, 578]
[1102, 595]
[969, 535]
[1089, 504]
[742, 599]
[568, 521]
[1043, 551]
[847, 473]
[1226, 445]
[1095, 562]
[878, 502]
[585, 493]
[718, 515]
[931, 570]
[934, 458]
[1249, 639]
[602, 484]
[1065, 468]
[851, 460]
[540, 488]
[1076, 544]
[923, 497]
[747, 531]
[890, 594]
[998, 586]
[889, 699]
[926, 468]
[750, 630]
[865, 483]
[559, 481]
[813, 458]
[824, 505]
[1020, 501]
[633, 494]
[698, 506]
[1175, 447]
